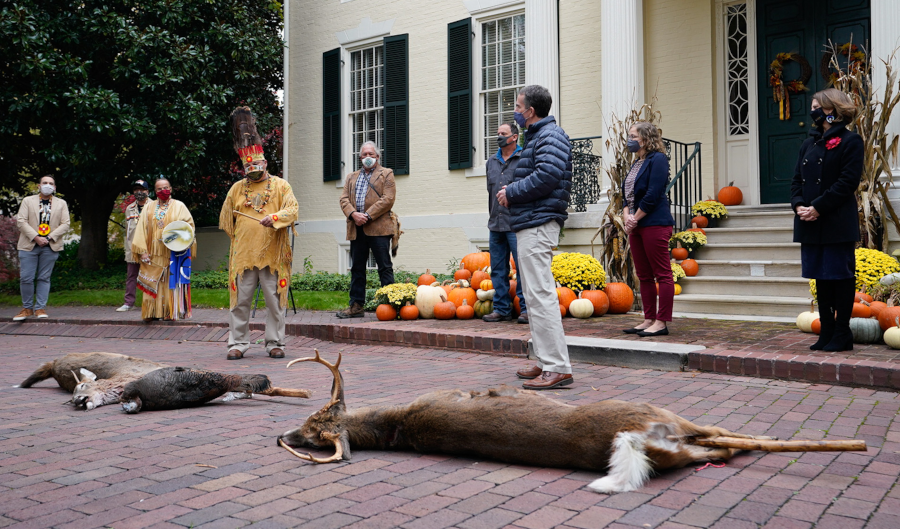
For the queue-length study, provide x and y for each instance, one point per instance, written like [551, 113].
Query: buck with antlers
[628, 440]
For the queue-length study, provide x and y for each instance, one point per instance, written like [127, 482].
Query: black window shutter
[331, 115]
[459, 98]
[396, 104]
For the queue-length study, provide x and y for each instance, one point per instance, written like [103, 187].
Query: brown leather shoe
[529, 372]
[235, 354]
[41, 313]
[549, 380]
[523, 318]
[495, 317]
[24, 313]
[277, 352]
[354, 311]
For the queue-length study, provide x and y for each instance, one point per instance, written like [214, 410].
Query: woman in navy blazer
[648, 222]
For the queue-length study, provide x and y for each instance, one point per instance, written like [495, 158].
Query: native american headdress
[247, 142]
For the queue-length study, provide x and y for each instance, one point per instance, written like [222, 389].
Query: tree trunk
[95, 207]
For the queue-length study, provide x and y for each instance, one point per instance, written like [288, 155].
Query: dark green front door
[803, 27]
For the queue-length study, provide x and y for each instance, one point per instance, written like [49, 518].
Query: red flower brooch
[832, 143]
[282, 283]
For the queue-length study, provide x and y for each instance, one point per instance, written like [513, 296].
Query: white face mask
[47, 189]
[368, 162]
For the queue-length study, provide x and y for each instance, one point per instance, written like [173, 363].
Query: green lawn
[200, 297]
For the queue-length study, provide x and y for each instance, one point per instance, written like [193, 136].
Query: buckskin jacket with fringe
[254, 245]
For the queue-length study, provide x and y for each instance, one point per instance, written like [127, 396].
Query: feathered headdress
[247, 142]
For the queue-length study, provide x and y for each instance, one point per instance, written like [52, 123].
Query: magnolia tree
[102, 92]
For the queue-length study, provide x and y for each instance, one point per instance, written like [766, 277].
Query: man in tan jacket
[366, 202]
[43, 221]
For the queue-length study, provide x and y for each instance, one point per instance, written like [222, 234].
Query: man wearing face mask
[43, 220]
[500, 170]
[257, 215]
[141, 192]
[366, 201]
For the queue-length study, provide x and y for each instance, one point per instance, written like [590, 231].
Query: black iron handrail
[586, 170]
[685, 187]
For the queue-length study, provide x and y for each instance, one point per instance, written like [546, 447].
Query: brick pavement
[218, 466]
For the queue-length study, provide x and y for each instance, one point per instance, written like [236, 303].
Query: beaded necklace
[160, 214]
[268, 194]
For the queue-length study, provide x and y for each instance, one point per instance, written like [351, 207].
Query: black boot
[824, 296]
[843, 295]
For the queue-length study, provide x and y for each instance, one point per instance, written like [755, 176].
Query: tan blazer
[28, 220]
[377, 207]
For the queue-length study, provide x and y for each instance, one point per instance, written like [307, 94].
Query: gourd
[385, 312]
[426, 278]
[445, 310]
[621, 297]
[483, 308]
[700, 221]
[677, 289]
[679, 254]
[461, 291]
[462, 273]
[887, 316]
[409, 312]
[479, 276]
[427, 297]
[890, 279]
[805, 319]
[892, 335]
[690, 267]
[565, 294]
[862, 296]
[861, 311]
[865, 330]
[730, 195]
[487, 284]
[485, 295]
[465, 311]
[476, 261]
[581, 308]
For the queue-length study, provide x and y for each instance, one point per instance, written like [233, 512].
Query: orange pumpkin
[877, 307]
[518, 305]
[562, 310]
[701, 230]
[700, 221]
[386, 312]
[487, 284]
[862, 296]
[465, 311]
[460, 292]
[476, 261]
[690, 267]
[816, 326]
[730, 195]
[446, 285]
[512, 288]
[445, 310]
[409, 312]
[887, 318]
[512, 264]
[599, 299]
[861, 311]
[478, 276]
[679, 254]
[462, 273]
[426, 278]
[566, 295]
[621, 297]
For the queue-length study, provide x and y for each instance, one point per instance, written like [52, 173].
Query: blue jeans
[38, 261]
[503, 244]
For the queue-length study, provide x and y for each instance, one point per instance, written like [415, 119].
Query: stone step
[779, 268]
[749, 251]
[760, 219]
[750, 234]
[745, 286]
[783, 306]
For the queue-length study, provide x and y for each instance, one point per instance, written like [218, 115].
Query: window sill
[473, 172]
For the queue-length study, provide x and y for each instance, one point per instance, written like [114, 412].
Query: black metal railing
[586, 172]
[684, 188]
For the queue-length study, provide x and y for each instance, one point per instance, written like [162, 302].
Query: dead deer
[627, 440]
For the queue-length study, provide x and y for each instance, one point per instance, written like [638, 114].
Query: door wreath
[856, 61]
[781, 90]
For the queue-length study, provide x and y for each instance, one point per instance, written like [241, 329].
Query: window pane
[502, 74]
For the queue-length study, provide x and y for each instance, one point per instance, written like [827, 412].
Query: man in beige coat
[366, 201]
[43, 221]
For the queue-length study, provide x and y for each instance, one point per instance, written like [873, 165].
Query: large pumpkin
[862, 296]
[865, 330]
[426, 278]
[465, 311]
[861, 310]
[483, 308]
[690, 267]
[461, 291]
[476, 261]
[386, 312]
[730, 195]
[679, 254]
[887, 316]
[566, 295]
[445, 310]
[409, 312]
[621, 297]
[700, 221]
[427, 297]
[598, 299]
[876, 307]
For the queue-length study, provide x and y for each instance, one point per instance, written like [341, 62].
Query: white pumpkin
[892, 337]
[581, 308]
[484, 295]
[806, 319]
[890, 279]
[427, 296]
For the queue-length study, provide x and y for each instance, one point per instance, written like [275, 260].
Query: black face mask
[141, 196]
[503, 141]
[818, 116]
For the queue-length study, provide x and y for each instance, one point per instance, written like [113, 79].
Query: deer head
[324, 428]
[90, 393]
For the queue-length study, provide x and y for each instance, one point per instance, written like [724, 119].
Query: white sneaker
[124, 308]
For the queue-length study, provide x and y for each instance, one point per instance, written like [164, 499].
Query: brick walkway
[218, 466]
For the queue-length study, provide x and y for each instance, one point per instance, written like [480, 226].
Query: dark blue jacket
[539, 192]
[500, 172]
[827, 179]
[650, 192]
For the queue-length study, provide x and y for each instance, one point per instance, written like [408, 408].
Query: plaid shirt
[362, 189]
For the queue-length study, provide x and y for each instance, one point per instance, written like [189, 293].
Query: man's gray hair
[372, 144]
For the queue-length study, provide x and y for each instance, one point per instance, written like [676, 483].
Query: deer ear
[344, 439]
[87, 375]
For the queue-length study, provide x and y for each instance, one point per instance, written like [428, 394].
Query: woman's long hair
[839, 102]
[650, 135]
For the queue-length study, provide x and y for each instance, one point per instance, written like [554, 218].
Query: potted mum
[711, 209]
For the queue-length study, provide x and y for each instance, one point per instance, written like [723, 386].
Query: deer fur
[629, 441]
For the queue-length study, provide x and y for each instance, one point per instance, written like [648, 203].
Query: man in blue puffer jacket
[537, 199]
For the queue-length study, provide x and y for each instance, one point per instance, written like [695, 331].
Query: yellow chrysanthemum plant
[710, 208]
[691, 240]
[396, 294]
[578, 271]
[677, 271]
[871, 266]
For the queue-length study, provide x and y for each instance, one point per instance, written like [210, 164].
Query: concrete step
[762, 219]
[759, 208]
[749, 251]
[741, 305]
[750, 234]
[774, 268]
[745, 286]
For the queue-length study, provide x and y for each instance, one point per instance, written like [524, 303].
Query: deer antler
[77, 380]
[337, 389]
[338, 450]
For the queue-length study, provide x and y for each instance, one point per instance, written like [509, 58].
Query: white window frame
[347, 128]
[350, 117]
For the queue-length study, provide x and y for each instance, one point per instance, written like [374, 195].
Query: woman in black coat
[823, 195]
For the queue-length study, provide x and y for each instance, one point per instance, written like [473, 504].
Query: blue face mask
[520, 119]
[633, 146]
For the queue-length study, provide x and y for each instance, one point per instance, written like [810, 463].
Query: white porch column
[885, 37]
[542, 48]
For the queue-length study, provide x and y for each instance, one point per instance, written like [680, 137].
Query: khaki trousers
[535, 247]
[239, 324]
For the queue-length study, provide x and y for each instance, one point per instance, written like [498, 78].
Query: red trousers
[650, 250]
